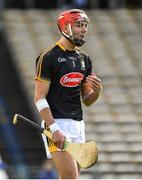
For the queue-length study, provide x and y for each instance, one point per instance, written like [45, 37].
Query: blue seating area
[11, 144]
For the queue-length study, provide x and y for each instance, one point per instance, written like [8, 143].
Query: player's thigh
[65, 164]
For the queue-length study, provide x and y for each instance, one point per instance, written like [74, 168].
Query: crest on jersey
[82, 65]
[72, 79]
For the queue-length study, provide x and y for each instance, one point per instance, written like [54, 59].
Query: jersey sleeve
[44, 67]
[88, 66]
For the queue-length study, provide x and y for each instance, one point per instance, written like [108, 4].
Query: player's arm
[90, 89]
[41, 91]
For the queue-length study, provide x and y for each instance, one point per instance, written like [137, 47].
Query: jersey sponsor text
[72, 79]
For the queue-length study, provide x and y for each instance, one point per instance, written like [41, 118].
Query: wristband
[41, 104]
[53, 127]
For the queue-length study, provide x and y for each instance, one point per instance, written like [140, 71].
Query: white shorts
[74, 131]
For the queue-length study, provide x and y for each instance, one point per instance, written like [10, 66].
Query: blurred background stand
[47, 170]
[29, 4]
[117, 4]
[114, 44]
[2, 5]
[3, 174]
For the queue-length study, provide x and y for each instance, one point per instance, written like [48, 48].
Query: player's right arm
[42, 85]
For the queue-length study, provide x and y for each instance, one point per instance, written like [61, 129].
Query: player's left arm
[90, 89]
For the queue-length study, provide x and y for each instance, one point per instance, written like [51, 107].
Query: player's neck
[67, 44]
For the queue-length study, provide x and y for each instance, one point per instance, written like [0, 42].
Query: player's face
[80, 29]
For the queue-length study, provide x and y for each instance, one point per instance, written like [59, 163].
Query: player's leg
[65, 165]
[64, 162]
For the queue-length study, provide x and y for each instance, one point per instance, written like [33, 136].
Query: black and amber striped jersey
[66, 70]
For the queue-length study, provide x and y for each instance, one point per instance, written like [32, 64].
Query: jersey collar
[63, 48]
[60, 45]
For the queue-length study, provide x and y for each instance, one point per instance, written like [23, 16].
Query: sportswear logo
[61, 59]
[72, 79]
